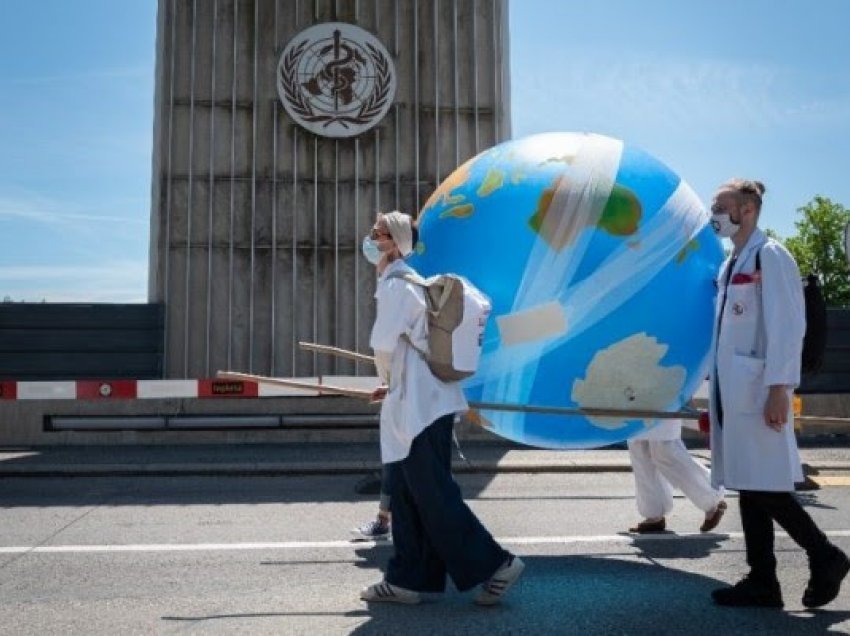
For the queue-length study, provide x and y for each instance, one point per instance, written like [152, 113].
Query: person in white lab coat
[660, 462]
[757, 343]
[434, 531]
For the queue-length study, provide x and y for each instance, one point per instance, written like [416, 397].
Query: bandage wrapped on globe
[600, 265]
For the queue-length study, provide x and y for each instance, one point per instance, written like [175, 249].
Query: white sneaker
[384, 592]
[493, 590]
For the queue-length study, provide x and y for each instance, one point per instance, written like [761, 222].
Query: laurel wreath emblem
[370, 107]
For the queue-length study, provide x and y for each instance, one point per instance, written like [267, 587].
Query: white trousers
[661, 465]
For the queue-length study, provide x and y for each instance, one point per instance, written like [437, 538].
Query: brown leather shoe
[646, 527]
[714, 518]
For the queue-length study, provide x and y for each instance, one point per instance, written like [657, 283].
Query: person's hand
[378, 394]
[776, 407]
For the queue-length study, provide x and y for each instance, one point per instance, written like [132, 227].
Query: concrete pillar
[256, 223]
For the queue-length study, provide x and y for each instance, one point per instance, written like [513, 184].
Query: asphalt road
[270, 555]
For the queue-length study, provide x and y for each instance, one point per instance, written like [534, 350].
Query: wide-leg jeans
[434, 531]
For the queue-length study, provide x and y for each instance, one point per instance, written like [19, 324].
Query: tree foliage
[818, 248]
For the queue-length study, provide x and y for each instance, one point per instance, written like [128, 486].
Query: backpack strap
[434, 305]
[762, 333]
[408, 274]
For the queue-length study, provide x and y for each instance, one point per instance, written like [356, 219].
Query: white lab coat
[760, 343]
[415, 398]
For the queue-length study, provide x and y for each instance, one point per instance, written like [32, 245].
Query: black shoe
[826, 579]
[749, 592]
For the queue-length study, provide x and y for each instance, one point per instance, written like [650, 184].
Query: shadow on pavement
[686, 549]
[67, 475]
[596, 595]
[196, 490]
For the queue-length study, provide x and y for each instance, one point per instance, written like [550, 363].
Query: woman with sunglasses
[434, 531]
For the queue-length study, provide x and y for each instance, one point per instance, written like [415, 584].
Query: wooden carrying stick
[626, 414]
[523, 408]
[336, 351]
[296, 384]
[483, 406]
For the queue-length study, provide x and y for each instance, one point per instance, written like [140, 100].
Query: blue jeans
[434, 531]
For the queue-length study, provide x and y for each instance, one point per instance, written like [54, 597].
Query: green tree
[818, 248]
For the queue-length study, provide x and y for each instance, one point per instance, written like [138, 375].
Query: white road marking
[323, 545]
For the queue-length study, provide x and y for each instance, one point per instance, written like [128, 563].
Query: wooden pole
[336, 351]
[629, 414]
[321, 389]
[328, 389]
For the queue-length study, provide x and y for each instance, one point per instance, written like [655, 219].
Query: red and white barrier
[163, 389]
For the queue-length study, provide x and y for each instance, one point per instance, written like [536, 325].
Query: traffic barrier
[204, 388]
[220, 388]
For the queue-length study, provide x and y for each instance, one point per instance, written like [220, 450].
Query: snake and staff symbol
[340, 72]
[336, 79]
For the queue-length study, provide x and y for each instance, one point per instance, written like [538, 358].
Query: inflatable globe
[600, 265]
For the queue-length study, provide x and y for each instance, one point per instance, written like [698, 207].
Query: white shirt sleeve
[784, 315]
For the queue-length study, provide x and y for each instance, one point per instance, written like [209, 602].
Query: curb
[286, 468]
[335, 468]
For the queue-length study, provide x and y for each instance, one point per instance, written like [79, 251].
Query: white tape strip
[537, 323]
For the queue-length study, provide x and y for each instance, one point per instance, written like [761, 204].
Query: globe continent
[600, 264]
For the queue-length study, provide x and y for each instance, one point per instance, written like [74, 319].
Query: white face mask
[724, 226]
[371, 251]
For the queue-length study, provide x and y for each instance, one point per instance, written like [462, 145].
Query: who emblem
[336, 79]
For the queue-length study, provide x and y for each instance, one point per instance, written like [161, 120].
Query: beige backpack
[457, 316]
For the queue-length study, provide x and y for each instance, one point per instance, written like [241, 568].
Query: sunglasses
[376, 233]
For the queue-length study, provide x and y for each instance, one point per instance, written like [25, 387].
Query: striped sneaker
[375, 530]
[384, 592]
[493, 590]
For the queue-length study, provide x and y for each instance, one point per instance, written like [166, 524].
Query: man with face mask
[434, 531]
[757, 342]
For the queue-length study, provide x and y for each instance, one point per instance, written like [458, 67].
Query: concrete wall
[23, 422]
[303, 419]
[256, 224]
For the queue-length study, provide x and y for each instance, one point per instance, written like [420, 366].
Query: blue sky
[754, 88]
[76, 122]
